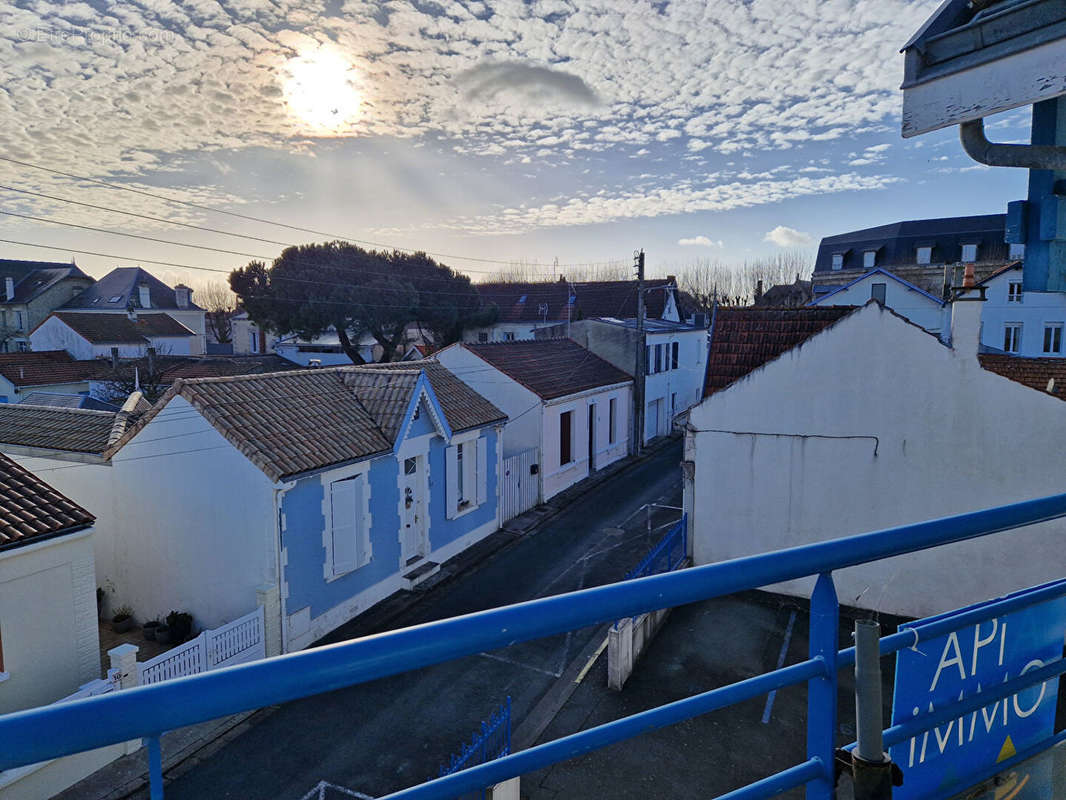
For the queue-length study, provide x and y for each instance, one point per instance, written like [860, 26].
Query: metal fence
[492, 742]
[667, 554]
[52, 731]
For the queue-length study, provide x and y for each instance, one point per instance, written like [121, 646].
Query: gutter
[40, 541]
[1024, 156]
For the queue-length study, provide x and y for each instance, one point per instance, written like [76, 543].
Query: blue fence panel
[667, 554]
[492, 742]
[50, 732]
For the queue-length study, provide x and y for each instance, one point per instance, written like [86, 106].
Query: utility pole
[641, 362]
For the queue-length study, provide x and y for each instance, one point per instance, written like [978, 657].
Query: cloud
[488, 81]
[784, 236]
[700, 241]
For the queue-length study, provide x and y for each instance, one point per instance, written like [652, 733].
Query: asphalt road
[380, 737]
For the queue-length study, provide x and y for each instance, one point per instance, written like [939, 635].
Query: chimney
[146, 300]
[131, 312]
[966, 317]
[182, 293]
[150, 352]
[758, 291]
[9, 289]
[114, 358]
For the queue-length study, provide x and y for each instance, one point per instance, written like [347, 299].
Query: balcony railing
[147, 712]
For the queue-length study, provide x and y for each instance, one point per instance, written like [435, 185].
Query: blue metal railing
[667, 554]
[493, 741]
[38, 734]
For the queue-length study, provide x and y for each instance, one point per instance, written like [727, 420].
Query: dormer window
[969, 253]
[1017, 252]
[925, 255]
[869, 259]
[838, 260]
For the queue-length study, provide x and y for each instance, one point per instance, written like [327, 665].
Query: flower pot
[122, 625]
[162, 633]
[149, 630]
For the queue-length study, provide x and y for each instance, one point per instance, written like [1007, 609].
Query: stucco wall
[1034, 311]
[47, 621]
[951, 438]
[556, 476]
[686, 382]
[916, 307]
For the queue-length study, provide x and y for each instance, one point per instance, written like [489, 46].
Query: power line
[264, 221]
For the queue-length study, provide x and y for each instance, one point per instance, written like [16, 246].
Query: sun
[321, 90]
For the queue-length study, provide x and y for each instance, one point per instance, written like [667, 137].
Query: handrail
[38, 734]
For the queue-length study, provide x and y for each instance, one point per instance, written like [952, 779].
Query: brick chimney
[145, 298]
[966, 316]
[182, 293]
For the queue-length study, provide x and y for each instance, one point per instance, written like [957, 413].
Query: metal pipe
[1025, 156]
[868, 724]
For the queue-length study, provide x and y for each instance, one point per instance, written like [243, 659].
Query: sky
[488, 133]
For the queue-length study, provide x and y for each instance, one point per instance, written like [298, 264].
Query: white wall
[496, 332]
[1036, 310]
[47, 621]
[52, 334]
[556, 476]
[686, 381]
[242, 330]
[184, 521]
[196, 321]
[951, 438]
[915, 306]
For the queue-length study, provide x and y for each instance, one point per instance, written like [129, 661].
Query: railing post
[155, 768]
[822, 691]
[870, 765]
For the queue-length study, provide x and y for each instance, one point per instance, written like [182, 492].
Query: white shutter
[345, 533]
[362, 532]
[482, 470]
[451, 469]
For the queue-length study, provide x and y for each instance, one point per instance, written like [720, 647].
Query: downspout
[282, 627]
[1025, 156]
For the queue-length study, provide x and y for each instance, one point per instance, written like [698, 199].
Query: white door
[413, 535]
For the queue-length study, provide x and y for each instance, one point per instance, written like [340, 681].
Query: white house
[906, 299]
[871, 423]
[48, 370]
[247, 337]
[524, 307]
[306, 492]
[1026, 323]
[87, 335]
[561, 399]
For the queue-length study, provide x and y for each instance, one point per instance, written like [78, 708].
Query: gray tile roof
[75, 430]
[30, 509]
[288, 423]
[63, 400]
[119, 328]
[120, 287]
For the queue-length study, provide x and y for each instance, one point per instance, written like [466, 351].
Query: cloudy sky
[482, 130]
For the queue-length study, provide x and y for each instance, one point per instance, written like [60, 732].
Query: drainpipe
[1025, 156]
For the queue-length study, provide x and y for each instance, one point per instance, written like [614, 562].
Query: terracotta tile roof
[119, 328]
[288, 423]
[49, 367]
[462, 406]
[550, 368]
[535, 302]
[222, 366]
[30, 509]
[743, 339]
[75, 430]
[1036, 373]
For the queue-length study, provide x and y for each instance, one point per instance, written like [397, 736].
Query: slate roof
[73, 430]
[31, 510]
[119, 328]
[288, 423]
[49, 367]
[123, 284]
[34, 277]
[174, 367]
[547, 300]
[62, 400]
[550, 368]
[1032, 372]
[743, 339]
[897, 244]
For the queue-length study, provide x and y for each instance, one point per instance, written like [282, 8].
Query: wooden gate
[519, 487]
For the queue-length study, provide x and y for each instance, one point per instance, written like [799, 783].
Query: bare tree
[144, 374]
[706, 281]
[219, 303]
[532, 272]
[7, 334]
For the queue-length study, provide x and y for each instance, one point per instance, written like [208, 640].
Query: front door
[413, 535]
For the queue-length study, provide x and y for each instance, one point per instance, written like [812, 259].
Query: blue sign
[963, 663]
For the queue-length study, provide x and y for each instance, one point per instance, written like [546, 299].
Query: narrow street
[379, 737]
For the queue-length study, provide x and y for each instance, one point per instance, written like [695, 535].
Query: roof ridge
[57, 409]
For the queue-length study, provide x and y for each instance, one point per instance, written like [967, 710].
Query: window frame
[1055, 329]
[884, 292]
[674, 350]
[838, 261]
[1012, 343]
[966, 247]
[649, 363]
[1015, 292]
[869, 259]
[566, 442]
[612, 420]
[659, 358]
[928, 252]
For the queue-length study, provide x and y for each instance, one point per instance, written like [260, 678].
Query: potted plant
[162, 633]
[122, 620]
[100, 594]
[180, 623]
[149, 629]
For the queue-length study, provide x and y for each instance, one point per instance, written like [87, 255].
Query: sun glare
[321, 90]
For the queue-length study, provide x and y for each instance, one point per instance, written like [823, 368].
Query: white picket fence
[519, 488]
[235, 642]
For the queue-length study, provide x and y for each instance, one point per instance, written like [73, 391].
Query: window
[877, 292]
[1014, 292]
[611, 408]
[969, 253]
[508, 336]
[1017, 252]
[349, 531]
[18, 320]
[925, 255]
[838, 260]
[410, 466]
[1053, 337]
[483, 337]
[253, 345]
[869, 259]
[658, 358]
[673, 355]
[649, 365]
[1012, 337]
[23, 347]
[466, 476]
[566, 424]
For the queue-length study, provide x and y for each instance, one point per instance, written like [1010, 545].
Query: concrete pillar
[124, 660]
[269, 598]
[619, 653]
[966, 318]
[508, 790]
